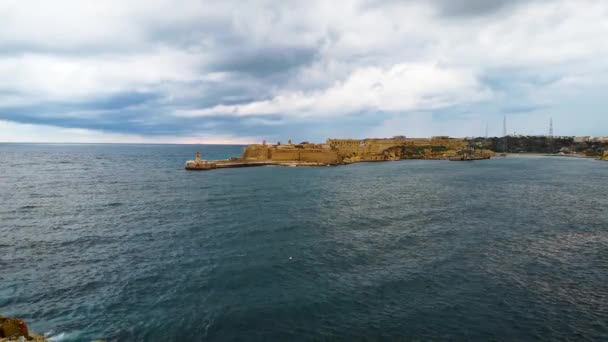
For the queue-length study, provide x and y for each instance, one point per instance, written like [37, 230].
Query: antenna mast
[504, 133]
[551, 135]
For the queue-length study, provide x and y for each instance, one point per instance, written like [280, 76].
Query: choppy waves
[119, 243]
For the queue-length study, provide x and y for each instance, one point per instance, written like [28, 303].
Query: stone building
[304, 152]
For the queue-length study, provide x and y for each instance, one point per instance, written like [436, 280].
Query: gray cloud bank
[302, 69]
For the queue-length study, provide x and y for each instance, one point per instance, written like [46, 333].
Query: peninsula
[347, 151]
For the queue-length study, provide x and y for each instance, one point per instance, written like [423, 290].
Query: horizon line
[258, 142]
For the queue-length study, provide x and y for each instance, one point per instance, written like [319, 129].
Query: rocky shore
[13, 329]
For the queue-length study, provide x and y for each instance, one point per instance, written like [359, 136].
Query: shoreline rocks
[13, 329]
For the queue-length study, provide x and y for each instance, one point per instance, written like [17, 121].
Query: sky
[192, 71]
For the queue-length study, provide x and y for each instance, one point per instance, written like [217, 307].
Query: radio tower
[551, 135]
[486, 131]
[504, 133]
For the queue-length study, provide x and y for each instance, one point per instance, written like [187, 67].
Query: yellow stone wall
[285, 155]
[320, 156]
[314, 153]
[347, 150]
[256, 152]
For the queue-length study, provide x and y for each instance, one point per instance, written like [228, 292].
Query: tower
[486, 131]
[504, 134]
[550, 142]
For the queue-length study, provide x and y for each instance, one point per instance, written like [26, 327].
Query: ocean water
[119, 242]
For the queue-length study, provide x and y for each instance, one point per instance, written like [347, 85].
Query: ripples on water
[119, 242]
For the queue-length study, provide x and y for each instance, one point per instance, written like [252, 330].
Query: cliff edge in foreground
[12, 329]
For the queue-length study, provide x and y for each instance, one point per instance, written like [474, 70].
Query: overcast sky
[241, 71]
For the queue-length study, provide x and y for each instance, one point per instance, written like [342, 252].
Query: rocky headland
[347, 151]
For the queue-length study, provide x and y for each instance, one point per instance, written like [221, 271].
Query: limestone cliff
[345, 151]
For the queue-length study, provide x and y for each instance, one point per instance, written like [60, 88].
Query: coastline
[528, 155]
[335, 152]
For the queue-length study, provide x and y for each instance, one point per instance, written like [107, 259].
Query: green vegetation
[542, 144]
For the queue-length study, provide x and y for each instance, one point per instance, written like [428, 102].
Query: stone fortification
[353, 150]
[339, 151]
[303, 152]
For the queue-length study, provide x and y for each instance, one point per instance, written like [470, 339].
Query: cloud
[474, 7]
[461, 8]
[16, 132]
[271, 69]
[402, 87]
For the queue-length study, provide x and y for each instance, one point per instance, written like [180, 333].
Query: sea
[121, 243]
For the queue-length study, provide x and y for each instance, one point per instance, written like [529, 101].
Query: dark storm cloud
[467, 8]
[264, 61]
[134, 113]
[454, 8]
[282, 127]
[120, 101]
[253, 68]
[140, 67]
[127, 112]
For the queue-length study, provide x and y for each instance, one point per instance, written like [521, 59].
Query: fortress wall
[305, 155]
[379, 147]
[319, 156]
[349, 150]
[285, 155]
[336, 150]
[256, 152]
[368, 149]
